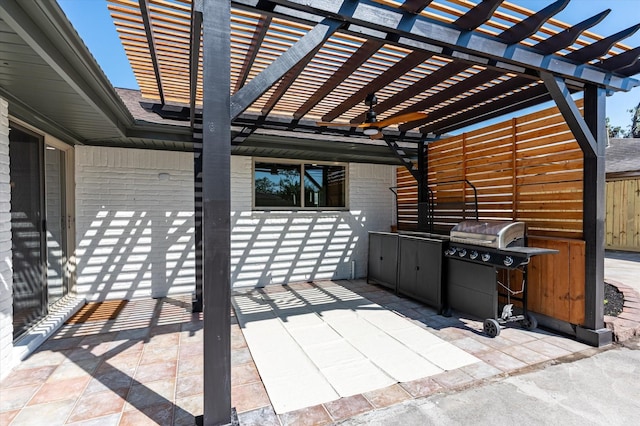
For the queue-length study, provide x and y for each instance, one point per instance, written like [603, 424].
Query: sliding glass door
[57, 279]
[39, 226]
[27, 225]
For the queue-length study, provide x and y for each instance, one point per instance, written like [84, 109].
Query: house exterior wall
[275, 247]
[134, 223]
[135, 229]
[6, 276]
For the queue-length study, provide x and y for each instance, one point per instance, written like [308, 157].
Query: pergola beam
[515, 102]
[261, 31]
[415, 6]
[567, 37]
[601, 47]
[375, 20]
[400, 68]
[243, 98]
[623, 61]
[455, 90]
[425, 83]
[560, 93]
[355, 60]
[194, 55]
[530, 25]
[477, 15]
[288, 79]
[151, 42]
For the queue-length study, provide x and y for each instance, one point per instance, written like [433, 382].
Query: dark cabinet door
[429, 272]
[389, 263]
[407, 272]
[375, 243]
[420, 269]
[383, 259]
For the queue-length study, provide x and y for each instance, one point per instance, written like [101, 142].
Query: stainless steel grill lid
[496, 234]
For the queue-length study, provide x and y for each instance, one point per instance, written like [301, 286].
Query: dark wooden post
[423, 193]
[590, 133]
[594, 207]
[216, 203]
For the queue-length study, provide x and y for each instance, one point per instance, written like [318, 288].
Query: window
[290, 185]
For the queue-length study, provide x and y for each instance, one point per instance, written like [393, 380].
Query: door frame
[69, 199]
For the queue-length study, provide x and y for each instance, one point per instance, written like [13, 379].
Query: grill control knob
[508, 261]
[462, 252]
[450, 251]
[486, 257]
[473, 255]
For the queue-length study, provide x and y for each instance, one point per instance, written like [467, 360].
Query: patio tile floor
[145, 367]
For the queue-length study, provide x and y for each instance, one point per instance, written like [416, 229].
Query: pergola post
[594, 217]
[423, 190]
[216, 203]
[590, 133]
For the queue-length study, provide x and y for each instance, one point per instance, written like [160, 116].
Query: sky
[92, 21]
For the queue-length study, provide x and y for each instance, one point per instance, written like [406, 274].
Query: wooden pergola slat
[350, 65]
[458, 89]
[462, 119]
[425, 83]
[403, 66]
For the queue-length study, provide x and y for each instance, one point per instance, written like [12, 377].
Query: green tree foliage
[635, 122]
[614, 131]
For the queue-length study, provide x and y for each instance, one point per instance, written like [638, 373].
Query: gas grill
[475, 253]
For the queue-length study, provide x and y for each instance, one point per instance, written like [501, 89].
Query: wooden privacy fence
[623, 215]
[527, 169]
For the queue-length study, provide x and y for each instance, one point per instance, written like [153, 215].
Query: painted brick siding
[129, 246]
[6, 276]
[279, 247]
[134, 223]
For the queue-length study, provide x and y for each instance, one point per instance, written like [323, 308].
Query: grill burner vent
[494, 234]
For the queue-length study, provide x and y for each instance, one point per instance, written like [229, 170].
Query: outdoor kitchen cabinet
[383, 259]
[420, 270]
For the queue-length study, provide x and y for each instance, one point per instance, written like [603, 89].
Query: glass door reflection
[27, 223]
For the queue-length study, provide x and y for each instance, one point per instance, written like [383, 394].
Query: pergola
[254, 76]
[247, 66]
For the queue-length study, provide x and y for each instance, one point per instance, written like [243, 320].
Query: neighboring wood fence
[623, 215]
[527, 169]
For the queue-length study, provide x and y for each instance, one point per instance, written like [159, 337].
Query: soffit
[45, 79]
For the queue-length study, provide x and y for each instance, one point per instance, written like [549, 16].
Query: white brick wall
[6, 280]
[279, 247]
[134, 223]
[128, 246]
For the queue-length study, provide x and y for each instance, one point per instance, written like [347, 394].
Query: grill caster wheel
[491, 327]
[529, 322]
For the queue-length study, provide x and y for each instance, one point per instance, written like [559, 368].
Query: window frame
[300, 163]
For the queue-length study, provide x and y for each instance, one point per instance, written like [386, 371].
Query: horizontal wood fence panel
[528, 169]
